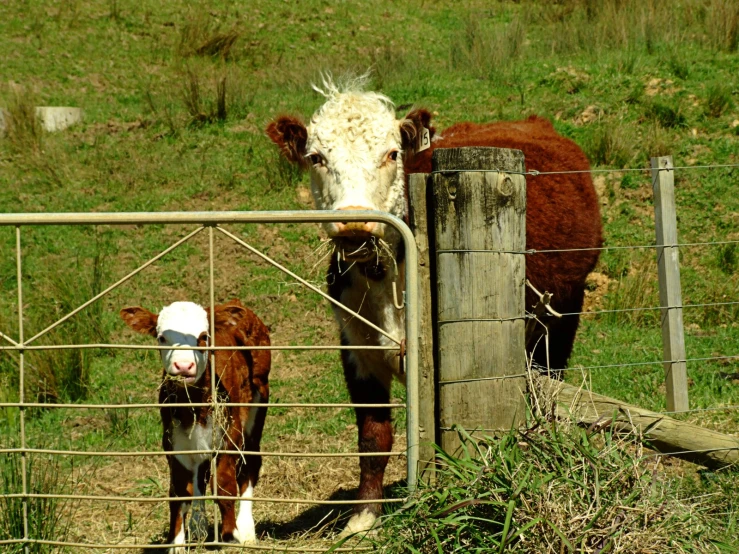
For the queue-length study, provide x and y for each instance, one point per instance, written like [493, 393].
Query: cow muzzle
[356, 240]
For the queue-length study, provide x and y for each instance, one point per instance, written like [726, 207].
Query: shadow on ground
[315, 523]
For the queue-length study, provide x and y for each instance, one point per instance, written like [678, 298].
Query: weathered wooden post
[418, 221]
[670, 294]
[480, 237]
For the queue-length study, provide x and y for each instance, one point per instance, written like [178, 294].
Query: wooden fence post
[479, 221]
[419, 224]
[670, 295]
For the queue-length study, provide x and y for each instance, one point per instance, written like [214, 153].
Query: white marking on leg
[180, 537]
[359, 523]
[245, 531]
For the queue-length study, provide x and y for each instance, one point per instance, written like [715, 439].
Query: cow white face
[353, 148]
[179, 324]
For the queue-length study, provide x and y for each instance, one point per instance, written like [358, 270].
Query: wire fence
[212, 223]
[729, 304]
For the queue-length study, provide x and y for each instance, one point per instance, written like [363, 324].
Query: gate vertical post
[670, 294]
[419, 223]
[480, 236]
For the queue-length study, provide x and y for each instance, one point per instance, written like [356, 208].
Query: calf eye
[161, 339]
[203, 339]
[316, 159]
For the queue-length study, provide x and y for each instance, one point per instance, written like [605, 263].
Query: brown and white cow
[241, 377]
[358, 154]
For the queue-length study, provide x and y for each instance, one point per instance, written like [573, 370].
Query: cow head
[354, 147]
[179, 324]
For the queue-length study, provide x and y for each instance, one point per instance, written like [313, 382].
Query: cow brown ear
[290, 134]
[411, 128]
[141, 320]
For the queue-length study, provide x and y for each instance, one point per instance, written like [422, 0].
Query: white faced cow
[358, 154]
[241, 377]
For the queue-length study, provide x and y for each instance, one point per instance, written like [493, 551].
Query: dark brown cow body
[241, 377]
[562, 212]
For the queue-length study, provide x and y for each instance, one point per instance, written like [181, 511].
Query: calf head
[354, 148]
[179, 324]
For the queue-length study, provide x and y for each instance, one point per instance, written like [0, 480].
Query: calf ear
[411, 128]
[229, 315]
[290, 135]
[242, 323]
[141, 320]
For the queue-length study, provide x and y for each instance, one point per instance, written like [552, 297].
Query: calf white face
[183, 324]
[179, 324]
[353, 148]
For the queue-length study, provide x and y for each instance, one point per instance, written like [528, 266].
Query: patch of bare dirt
[596, 288]
[588, 115]
[657, 86]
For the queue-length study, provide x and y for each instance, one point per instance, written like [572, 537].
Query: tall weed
[636, 292]
[488, 51]
[47, 517]
[64, 374]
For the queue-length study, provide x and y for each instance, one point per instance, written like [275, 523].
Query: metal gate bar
[212, 220]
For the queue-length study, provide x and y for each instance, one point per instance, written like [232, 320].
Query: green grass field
[176, 96]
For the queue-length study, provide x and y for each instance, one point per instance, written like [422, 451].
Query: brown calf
[241, 377]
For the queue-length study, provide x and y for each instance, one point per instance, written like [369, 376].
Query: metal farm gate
[212, 222]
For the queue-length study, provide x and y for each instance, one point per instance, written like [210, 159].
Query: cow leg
[375, 430]
[181, 486]
[226, 486]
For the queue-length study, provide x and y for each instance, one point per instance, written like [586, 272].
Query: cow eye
[161, 339]
[393, 155]
[316, 159]
[203, 339]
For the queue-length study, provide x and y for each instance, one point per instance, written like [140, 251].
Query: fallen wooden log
[662, 433]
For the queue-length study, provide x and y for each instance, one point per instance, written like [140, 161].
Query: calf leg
[226, 474]
[248, 475]
[181, 487]
[245, 532]
[375, 431]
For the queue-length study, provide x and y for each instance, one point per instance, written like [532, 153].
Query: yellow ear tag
[424, 140]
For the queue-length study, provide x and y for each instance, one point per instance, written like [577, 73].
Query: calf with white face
[358, 154]
[241, 377]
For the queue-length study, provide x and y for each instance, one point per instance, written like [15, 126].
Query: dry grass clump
[201, 35]
[204, 106]
[597, 25]
[488, 51]
[47, 518]
[553, 487]
[23, 129]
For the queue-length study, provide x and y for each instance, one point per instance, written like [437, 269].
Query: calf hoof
[245, 537]
[359, 523]
[239, 538]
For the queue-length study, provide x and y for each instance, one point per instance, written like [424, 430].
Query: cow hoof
[247, 537]
[359, 523]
